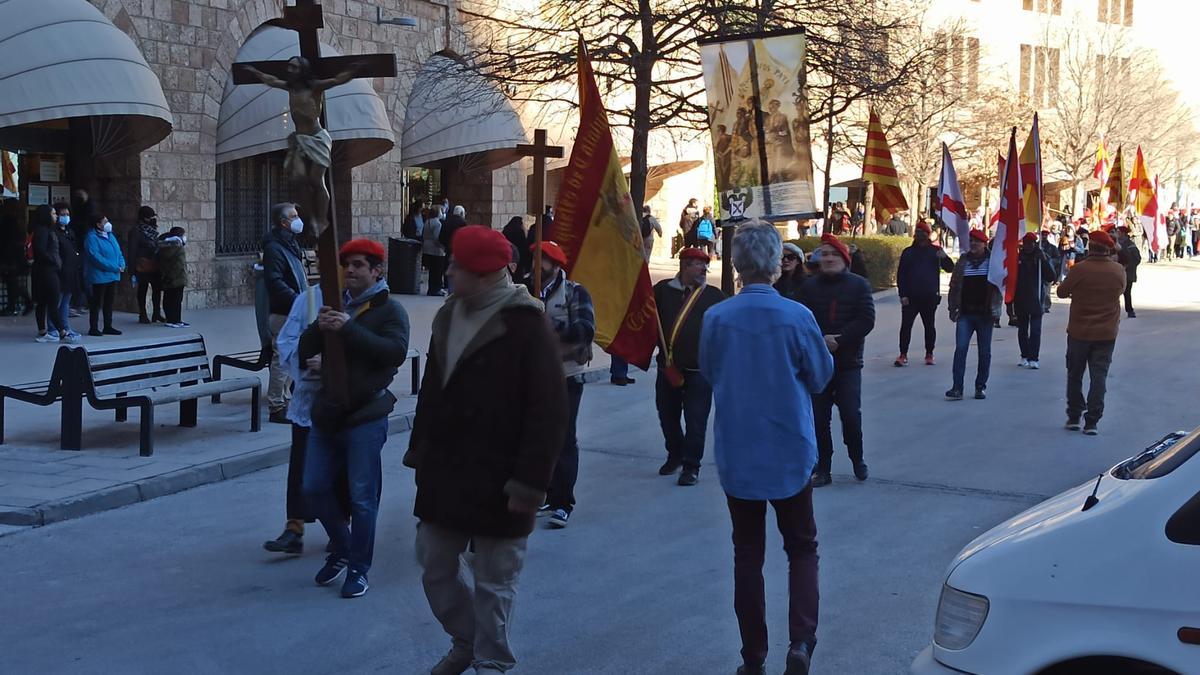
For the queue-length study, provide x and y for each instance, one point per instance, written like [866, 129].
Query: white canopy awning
[64, 59]
[454, 113]
[254, 117]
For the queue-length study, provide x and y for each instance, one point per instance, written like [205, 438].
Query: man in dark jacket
[974, 304]
[681, 389]
[1130, 257]
[920, 290]
[347, 435]
[490, 422]
[283, 272]
[1029, 302]
[451, 224]
[842, 304]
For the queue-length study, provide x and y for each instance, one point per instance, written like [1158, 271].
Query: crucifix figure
[310, 147]
[539, 151]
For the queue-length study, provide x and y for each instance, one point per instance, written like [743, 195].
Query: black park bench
[155, 372]
[255, 360]
[48, 392]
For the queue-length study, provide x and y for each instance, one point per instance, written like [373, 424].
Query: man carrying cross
[310, 147]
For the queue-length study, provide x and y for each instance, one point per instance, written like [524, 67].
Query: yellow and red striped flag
[1100, 171]
[1031, 178]
[1143, 193]
[1116, 183]
[596, 224]
[878, 168]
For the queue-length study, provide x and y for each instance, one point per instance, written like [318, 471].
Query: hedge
[881, 253]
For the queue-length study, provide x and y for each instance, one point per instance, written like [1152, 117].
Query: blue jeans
[1029, 335]
[619, 369]
[356, 452]
[64, 310]
[561, 493]
[981, 326]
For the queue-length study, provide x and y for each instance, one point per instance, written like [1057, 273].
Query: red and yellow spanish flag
[596, 224]
[9, 171]
[878, 168]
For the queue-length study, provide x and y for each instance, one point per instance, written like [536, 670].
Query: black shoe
[334, 565]
[799, 658]
[751, 670]
[159, 318]
[821, 479]
[95, 332]
[860, 471]
[954, 395]
[1072, 424]
[143, 319]
[979, 393]
[1132, 314]
[111, 331]
[454, 663]
[688, 478]
[669, 467]
[356, 585]
[279, 417]
[1089, 428]
[289, 542]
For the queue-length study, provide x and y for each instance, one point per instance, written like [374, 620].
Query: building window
[1039, 75]
[1116, 12]
[246, 189]
[962, 61]
[1043, 6]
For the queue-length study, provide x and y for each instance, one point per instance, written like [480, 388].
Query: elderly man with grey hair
[284, 277]
[766, 358]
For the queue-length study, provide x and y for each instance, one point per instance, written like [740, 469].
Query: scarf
[351, 305]
[150, 234]
[469, 314]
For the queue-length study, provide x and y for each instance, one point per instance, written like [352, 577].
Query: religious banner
[758, 116]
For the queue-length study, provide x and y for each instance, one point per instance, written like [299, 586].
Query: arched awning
[254, 117]
[455, 115]
[63, 59]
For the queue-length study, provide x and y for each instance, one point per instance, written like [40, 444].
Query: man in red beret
[347, 435]
[844, 308]
[490, 422]
[1130, 257]
[681, 389]
[1094, 286]
[569, 308]
[1029, 303]
[974, 305]
[919, 284]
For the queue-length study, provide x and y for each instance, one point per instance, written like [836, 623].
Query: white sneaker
[1033, 365]
[1023, 364]
[46, 337]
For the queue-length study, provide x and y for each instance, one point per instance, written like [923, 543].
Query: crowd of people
[68, 260]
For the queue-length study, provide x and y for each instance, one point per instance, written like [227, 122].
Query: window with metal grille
[246, 189]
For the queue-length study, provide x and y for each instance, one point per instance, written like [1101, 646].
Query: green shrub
[881, 253]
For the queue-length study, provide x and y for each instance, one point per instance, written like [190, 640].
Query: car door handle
[1189, 635]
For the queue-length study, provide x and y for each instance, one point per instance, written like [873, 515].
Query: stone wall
[191, 44]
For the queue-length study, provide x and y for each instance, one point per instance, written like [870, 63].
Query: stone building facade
[191, 45]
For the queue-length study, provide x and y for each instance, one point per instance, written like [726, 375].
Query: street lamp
[402, 21]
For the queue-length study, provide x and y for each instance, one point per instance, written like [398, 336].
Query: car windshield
[1161, 457]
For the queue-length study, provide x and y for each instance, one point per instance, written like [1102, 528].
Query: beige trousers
[279, 387]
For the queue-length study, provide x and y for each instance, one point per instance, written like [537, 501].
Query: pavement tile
[121, 475]
[32, 467]
[36, 455]
[85, 485]
[131, 461]
[35, 479]
[44, 494]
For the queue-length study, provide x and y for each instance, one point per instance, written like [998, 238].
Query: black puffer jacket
[282, 256]
[843, 306]
[1033, 272]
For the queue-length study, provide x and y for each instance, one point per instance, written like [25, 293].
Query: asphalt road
[641, 581]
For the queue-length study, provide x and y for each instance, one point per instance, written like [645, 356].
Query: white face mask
[183, 240]
[107, 227]
[297, 226]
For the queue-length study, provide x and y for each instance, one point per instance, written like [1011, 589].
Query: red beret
[924, 227]
[480, 250]
[693, 253]
[1030, 237]
[552, 251]
[1103, 239]
[842, 249]
[367, 247]
[979, 235]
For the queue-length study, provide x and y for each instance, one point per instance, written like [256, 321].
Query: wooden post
[539, 151]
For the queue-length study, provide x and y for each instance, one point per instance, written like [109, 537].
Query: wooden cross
[539, 151]
[306, 19]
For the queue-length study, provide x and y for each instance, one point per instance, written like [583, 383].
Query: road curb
[165, 484]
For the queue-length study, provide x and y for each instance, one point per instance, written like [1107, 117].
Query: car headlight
[960, 616]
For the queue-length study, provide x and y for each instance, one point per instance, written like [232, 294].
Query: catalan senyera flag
[1100, 171]
[1031, 178]
[1143, 194]
[1002, 266]
[1116, 183]
[879, 169]
[9, 172]
[596, 225]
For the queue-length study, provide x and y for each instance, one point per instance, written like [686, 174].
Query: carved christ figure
[310, 146]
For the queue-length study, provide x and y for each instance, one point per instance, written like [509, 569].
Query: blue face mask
[64, 220]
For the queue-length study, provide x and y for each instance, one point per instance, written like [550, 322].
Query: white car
[1104, 578]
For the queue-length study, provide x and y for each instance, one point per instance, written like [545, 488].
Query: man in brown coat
[1094, 286]
[491, 419]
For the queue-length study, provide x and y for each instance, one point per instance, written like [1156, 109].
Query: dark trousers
[1129, 296]
[146, 282]
[101, 300]
[1029, 335]
[172, 299]
[1095, 357]
[693, 401]
[297, 510]
[618, 369]
[979, 325]
[927, 309]
[794, 517]
[436, 264]
[844, 391]
[47, 295]
[561, 494]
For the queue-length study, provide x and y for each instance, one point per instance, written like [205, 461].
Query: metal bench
[48, 392]
[255, 361]
[149, 373]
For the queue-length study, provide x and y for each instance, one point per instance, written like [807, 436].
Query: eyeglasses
[790, 257]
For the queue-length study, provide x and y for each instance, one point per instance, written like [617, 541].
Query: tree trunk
[825, 225]
[643, 67]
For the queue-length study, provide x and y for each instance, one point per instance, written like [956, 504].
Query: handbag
[672, 372]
